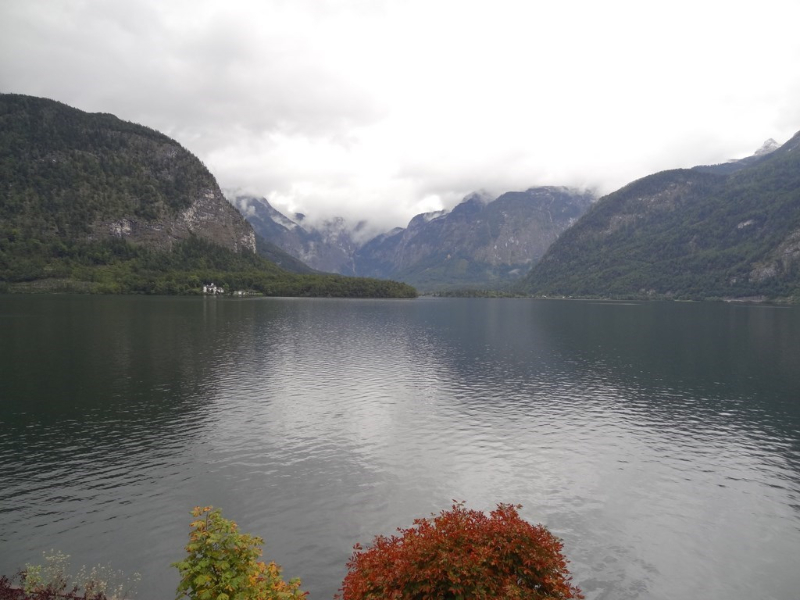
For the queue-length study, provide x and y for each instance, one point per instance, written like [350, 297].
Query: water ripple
[320, 424]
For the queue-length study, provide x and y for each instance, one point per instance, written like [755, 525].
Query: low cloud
[380, 109]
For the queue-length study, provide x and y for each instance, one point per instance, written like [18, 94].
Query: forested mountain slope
[71, 175]
[686, 234]
[89, 202]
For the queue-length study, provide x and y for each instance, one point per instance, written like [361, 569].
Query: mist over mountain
[121, 207]
[737, 164]
[328, 247]
[482, 242]
[726, 231]
[91, 203]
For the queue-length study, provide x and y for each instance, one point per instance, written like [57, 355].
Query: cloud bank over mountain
[384, 109]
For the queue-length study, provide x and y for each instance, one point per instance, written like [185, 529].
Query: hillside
[70, 175]
[89, 202]
[691, 234]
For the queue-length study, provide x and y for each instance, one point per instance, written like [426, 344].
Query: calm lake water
[660, 441]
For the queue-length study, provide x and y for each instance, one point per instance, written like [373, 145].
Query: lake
[660, 441]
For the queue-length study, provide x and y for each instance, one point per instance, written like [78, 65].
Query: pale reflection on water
[660, 441]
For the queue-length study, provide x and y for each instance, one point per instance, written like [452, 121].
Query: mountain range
[91, 203]
[728, 231]
[327, 247]
[482, 242]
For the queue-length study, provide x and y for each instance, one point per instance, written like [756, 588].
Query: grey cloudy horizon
[382, 109]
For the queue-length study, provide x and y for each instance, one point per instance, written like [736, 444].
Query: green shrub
[222, 564]
[52, 579]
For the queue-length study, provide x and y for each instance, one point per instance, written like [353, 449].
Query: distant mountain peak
[736, 164]
[769, 146]
[430, 216]
[481, 196]
[663, 235]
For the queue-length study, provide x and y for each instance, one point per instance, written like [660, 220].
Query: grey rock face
[769, 146]
[329, 247]
[209, 216]
[98, 177]
[482, 242]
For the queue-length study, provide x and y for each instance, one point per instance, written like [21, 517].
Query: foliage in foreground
[462, 554]
[222, 564]
[52, 580]
[458, 554]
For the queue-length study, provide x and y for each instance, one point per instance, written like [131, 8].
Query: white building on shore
[212, 289]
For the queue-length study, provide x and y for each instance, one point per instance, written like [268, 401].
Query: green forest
[118, 267]
[685, 234]
[63, 171]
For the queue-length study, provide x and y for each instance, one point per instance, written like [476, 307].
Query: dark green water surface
[660, 441]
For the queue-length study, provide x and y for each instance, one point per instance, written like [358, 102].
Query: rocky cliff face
[72, 176]
[209, 216]
[481, 242]
[328, 247]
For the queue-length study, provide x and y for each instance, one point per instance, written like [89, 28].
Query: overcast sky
[383, 109]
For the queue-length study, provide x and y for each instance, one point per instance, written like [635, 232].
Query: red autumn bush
[462, 554]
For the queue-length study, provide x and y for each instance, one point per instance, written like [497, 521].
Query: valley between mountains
[729, 231]
[91, 203]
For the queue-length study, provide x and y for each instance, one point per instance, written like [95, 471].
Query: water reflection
[659, 440]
